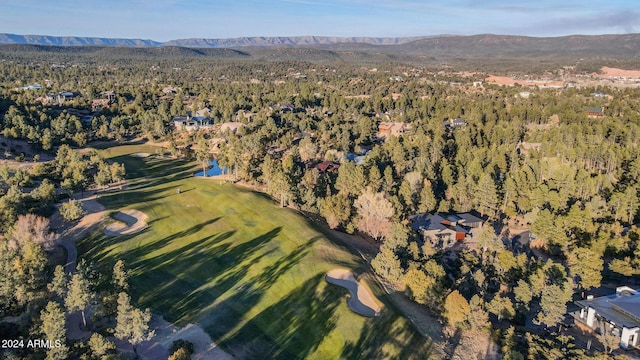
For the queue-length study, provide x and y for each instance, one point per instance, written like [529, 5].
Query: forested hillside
[576, 188]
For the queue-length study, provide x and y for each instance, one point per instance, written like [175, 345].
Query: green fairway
[250, 273]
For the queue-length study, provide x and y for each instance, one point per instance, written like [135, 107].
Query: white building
[618, 313]
[191, 123]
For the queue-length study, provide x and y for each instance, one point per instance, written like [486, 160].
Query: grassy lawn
[249, 272]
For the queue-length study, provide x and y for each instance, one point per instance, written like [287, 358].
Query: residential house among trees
[231, 127]
[106, 98]
[387, 129]
[618, 314]
[191, 123]
[523, 148]
[595, 111]
[327, 166]
[61, 97]
[444, 230]
[452, 124]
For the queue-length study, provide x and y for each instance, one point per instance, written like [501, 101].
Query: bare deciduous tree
[31, 228]
[374, 212]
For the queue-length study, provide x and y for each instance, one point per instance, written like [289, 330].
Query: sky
[163, 20]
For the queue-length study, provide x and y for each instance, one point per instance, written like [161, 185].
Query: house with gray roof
[618, 314]
[445, 230]
[456, 123]
[61, 97]
[191, 123]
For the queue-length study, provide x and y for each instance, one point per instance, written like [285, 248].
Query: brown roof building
[387, 129]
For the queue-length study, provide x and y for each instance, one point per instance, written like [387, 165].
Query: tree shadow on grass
[389, 336]
[184, 283]
[292, 328]
[123, 198]
[222, 317]
[139, 168]
[94, 246]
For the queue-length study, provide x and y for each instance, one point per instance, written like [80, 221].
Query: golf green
[250, 273]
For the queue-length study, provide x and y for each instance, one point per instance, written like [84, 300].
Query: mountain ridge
[435, 49]
[7, 38]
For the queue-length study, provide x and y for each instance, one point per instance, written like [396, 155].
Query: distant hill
[501, 51]
[289, 40]
[487, 45]
[72, 41]
[125, 51]
[203, 43]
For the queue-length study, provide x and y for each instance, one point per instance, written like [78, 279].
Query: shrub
[71, 210]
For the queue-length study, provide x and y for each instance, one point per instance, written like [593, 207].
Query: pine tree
[335, 209]
[100, 346]
[386, 264]
[428, 201]
[501, 307]
[202, 155]
[79, 295]
[120, 277]
[456, 309]
[585, 266]
[375, 178]
[53, 328]
[553, 304]
[486, 196]
[132, 324]
[71, 210]
[345, 179]
[58, 284]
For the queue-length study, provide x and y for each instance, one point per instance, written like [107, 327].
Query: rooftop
[621, 308]
[441, 222]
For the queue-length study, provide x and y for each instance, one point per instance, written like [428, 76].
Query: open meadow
[250, 273]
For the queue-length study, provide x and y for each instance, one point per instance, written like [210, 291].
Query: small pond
[214, 170]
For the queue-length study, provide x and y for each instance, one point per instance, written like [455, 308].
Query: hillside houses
[445, 230]
[231, 127]
[327, 166]
[32, 87]
[244, 114]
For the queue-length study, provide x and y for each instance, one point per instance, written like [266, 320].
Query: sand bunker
[361, 300]
[129, 222]
[142, 155]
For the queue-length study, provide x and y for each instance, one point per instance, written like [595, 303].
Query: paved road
[95, 213]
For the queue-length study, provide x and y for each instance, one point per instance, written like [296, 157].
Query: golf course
[250, 273]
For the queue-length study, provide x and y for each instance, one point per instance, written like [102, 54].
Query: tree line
[577, 191]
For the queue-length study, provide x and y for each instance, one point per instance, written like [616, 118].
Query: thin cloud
[615, 21]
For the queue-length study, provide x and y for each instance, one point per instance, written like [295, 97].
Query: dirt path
[94, 214]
